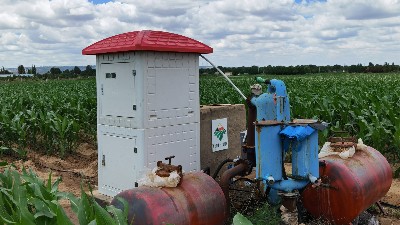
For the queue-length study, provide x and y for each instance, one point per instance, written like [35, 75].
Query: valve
[169, 158]
[262, 80]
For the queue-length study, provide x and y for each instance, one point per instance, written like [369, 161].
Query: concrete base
[236, 116]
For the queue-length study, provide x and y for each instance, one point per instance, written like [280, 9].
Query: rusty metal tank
[197, 200]
[349, 186]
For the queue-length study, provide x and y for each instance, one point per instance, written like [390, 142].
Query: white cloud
[366, 9]
[248, 32]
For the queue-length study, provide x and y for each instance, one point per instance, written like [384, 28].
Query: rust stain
[268, 123]
[164, 170]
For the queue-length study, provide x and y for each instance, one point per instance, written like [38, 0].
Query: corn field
[365, 105]
[55, 116]
[51, 116]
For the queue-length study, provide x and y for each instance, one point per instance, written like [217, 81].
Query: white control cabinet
[147, 104]
[148, 109]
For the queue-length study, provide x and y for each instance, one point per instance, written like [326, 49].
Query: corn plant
[53, 117]
[65, 131]
[27, 200]
[90, 212]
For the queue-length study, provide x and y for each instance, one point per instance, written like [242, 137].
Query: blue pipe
[289, 185]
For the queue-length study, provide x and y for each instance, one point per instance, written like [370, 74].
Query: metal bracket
[135, 150]
[134, 107]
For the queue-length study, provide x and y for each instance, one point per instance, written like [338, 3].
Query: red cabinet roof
[147, 40]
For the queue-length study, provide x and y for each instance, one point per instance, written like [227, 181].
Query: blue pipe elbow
[289, 185]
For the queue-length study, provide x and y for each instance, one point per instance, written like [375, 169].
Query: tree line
[76, 71]
[305, 69]
[4, 71]
[54, 72]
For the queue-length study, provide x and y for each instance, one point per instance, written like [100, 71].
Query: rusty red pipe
[225, 180]
[251, 118]
[248, 150]
[220, 167]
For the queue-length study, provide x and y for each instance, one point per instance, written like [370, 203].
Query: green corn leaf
[74, 201]
[102, 216]
[4, 214]
[62, 218]
[85, 209]
[118, 215]
[54, 186]
[125, 205]
[239, 219]
[49, 181]
[42, 209]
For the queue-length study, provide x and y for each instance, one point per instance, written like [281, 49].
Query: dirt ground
[82, 167]
[392, 198]
[75, 169]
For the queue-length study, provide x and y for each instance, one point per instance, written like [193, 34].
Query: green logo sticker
[220, 131]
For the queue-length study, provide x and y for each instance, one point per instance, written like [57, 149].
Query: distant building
[24, 75]
[226, 73]
[17, 75]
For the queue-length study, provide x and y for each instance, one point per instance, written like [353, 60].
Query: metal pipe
[225, 180]
[312, 179]
[248, 150]
[380, 208]
[289, 185]
[270, 180]
[226, 77]
[220, 166]
[206, 170]
[251, 118]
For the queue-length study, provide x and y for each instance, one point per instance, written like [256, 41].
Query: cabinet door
[117, 87]
[118, 164]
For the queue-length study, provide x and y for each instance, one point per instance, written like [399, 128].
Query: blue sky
[251, 32]
[309, 1]
[100, 1]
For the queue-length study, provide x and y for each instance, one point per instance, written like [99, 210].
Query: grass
[266, 215]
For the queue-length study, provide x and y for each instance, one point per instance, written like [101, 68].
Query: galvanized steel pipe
[226, 77]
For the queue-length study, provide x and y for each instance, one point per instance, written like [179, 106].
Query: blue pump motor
[275, 135]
